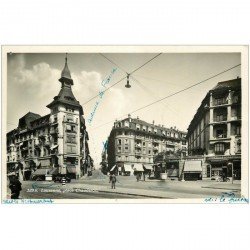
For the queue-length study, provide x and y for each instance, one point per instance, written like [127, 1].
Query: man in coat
[15, 187]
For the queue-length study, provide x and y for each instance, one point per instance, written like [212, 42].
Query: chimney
[153, 122]
[137, 117]
[129, 118]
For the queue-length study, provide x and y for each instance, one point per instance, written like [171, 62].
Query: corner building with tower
[56, 143]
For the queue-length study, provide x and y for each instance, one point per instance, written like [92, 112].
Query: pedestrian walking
[15, 187]
[137, 176]
[113, 181]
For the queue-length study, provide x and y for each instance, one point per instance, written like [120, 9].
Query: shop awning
[112, 169]
[41, 171]
[54, 171]
[45, 162]
[148, 167]
[192, 166]
[128, 168]
[71, 169]
[138, 167]
[53, 147]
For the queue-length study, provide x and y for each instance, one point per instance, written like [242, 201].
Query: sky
[32, 82]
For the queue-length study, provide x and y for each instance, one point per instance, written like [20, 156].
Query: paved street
[98, 187]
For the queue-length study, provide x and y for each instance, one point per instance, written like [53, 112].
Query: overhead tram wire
[123, 77]
[113, 63]
[180, 91]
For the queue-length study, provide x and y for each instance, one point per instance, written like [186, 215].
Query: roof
[40, 122]
[67, 97]
[65, 72]
[26, 120]
[159, 128]
[230, 84]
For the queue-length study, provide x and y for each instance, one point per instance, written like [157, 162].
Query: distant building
[54, 143]
[215, 130]
[134, 141]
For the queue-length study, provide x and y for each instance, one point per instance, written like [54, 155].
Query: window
[126, 141]
[71, 149]
[70, 109]
[220, 133]
[70, 128]
[119, 141]
[69, 118]
[149, 152]
[126, 124]
[238, 130]
[71, 139]
[126, 148]
[219, 148]
[144, 143]
[119, 149]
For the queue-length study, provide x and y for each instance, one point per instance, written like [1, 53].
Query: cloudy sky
[33, 82]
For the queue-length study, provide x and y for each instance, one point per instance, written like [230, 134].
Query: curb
[223, 188]
[143, 195]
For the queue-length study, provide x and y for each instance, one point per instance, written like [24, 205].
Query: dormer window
[144, 128]
[126, 124]
[137, 126]
[155, 130]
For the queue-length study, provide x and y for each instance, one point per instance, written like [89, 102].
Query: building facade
[134, 141]
[54, 143]
[215, 130]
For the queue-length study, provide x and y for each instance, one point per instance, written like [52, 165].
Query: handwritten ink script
[101, 93]
[28, 201]
[227, 197]
[105, 145]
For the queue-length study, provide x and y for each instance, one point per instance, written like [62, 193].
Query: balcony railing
[235, 118]
[221, 136]
[219, 102]
[220, 118]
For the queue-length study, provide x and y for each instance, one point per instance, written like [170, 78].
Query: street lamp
[128, 85]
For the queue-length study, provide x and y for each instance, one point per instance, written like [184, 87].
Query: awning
[54, 171]
[45, 162]
[53, 147]
[138, 167]
[41, 171]
[148, 167]
[128, 168]
[71, 169]
[112, 169]
[192, 166]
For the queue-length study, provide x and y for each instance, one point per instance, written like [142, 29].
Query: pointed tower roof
[65, 72]
[66, 95]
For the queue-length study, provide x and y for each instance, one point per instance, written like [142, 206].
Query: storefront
[225, 167]
[192, 170]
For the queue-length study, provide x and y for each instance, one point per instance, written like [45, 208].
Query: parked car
[59, 178]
